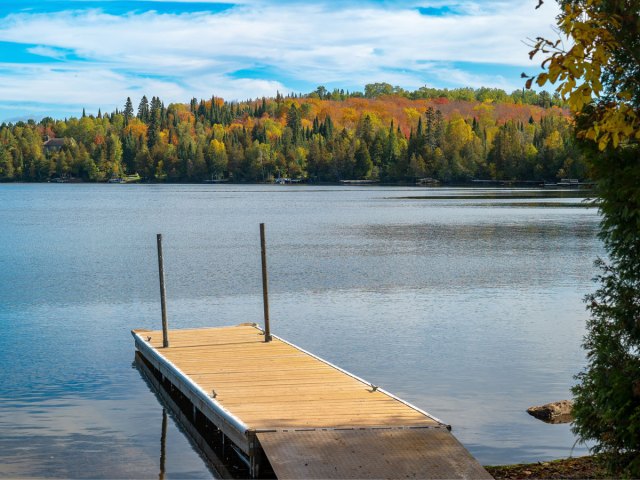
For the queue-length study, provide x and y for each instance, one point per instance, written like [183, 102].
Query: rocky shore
[554, 412]
[589, 467]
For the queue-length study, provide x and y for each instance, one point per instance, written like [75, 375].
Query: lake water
[467, 303]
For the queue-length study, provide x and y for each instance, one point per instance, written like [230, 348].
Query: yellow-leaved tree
[598, 75]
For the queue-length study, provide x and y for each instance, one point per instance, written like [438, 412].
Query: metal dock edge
[231, 426]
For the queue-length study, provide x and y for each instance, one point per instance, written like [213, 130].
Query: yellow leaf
[554, 71]
[542, 79]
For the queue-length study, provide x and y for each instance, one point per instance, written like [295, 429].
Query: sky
[60, 56]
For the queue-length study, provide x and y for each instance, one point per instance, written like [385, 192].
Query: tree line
[384, 134]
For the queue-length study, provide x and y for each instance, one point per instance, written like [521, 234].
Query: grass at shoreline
[589, 467]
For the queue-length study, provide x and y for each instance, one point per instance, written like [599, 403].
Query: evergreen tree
[363, 164]
[153, 132]
[128, 111]
[604, 61]
[294, 122]
[430, 131]
[143, 109]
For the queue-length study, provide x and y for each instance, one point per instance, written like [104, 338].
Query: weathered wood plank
[275, 384]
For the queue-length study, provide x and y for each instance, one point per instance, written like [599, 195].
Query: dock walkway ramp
[369, 453]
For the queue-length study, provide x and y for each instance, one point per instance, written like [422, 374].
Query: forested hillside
[384, 134]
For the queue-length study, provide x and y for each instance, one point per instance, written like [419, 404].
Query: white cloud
[177, 56]
[47, 52]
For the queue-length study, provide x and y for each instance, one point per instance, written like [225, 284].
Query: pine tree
[143, 109]
[430, 137]
[294, 122]
[128, 111]
[328, 127]
[363, 164]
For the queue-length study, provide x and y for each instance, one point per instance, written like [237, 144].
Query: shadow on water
[222, 458]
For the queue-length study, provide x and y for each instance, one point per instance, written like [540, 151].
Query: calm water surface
[467, 303]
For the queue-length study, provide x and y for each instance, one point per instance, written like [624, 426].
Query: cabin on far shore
[53, 144]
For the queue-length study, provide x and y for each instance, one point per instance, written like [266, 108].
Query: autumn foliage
[385, 135]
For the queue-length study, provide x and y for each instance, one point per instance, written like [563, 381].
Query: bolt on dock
[291, 412]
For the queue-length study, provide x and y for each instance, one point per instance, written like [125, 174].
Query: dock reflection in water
[163, 444]
[222, 460]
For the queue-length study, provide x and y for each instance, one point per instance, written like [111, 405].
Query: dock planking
[275, 385]
[264, 395]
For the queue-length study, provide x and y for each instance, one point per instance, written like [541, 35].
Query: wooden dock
[292, 413]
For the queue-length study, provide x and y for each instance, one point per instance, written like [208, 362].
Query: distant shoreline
[483, 184]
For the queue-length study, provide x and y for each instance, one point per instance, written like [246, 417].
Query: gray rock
[555, 412]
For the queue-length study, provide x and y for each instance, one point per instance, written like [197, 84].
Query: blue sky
[57, 57]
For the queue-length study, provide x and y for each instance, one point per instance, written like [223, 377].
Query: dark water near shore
[467, 303]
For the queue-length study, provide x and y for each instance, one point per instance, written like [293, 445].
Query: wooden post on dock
[163, 294]
[265, 285]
